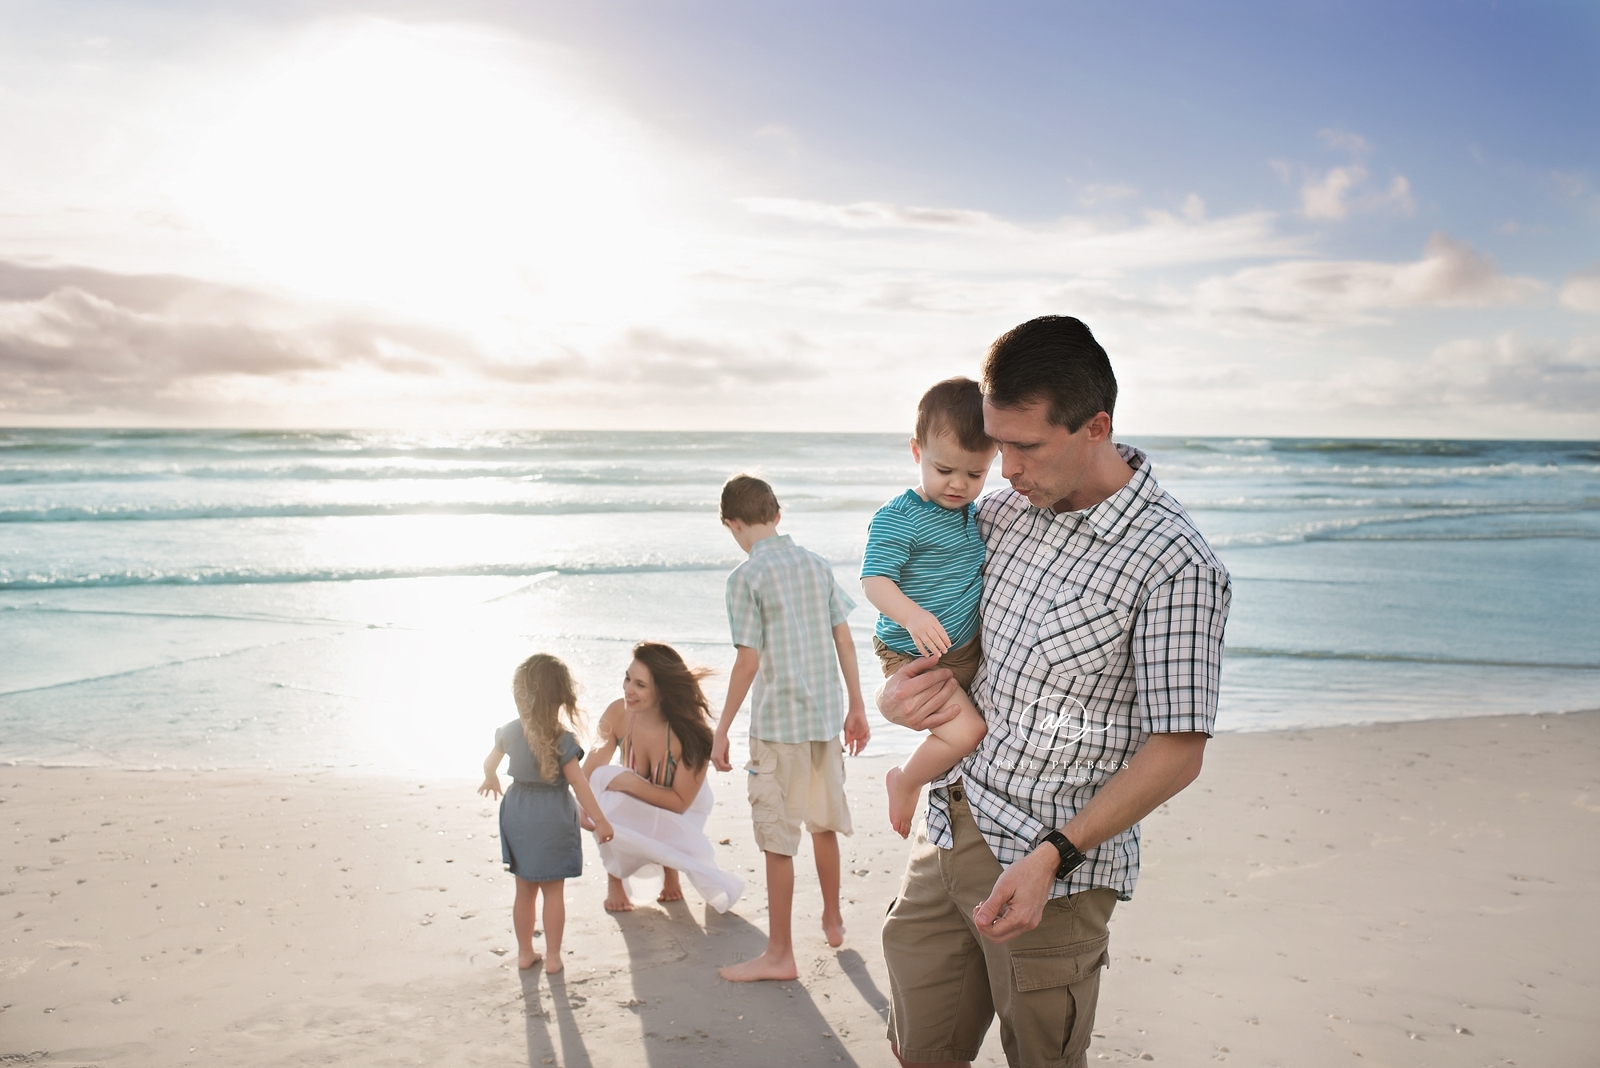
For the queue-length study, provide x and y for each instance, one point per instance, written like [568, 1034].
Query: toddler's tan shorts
[962, 662]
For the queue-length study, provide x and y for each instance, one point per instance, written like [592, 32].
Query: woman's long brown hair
[683, 704]
[543, 689]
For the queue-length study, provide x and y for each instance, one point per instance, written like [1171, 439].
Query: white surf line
[304, 620]
[1249, 652]
[165, 664]
[540, 577]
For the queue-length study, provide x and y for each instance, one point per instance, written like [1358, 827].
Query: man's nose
[1010, 463]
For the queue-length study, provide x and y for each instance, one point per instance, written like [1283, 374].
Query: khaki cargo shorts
[946, 982]
[963, 662]
[793, 783]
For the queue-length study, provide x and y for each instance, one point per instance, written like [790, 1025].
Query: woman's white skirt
[650, 838]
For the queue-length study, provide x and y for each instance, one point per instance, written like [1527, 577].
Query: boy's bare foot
[553, 965]
[765, 966]
[527, 959]
[903, 794]
[833, 930]
[617, 896]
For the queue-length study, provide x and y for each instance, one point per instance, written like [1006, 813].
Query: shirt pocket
[1080, 636]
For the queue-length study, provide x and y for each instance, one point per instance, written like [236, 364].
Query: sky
[1343, 219]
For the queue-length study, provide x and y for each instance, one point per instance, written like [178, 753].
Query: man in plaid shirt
[1102, 618]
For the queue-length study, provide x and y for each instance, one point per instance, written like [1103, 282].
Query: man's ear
[1099, 427]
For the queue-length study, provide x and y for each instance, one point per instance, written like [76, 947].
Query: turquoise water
[357, 600]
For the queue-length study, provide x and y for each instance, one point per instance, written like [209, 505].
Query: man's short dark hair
[1052, 358]
[749, 500]
[954, 407]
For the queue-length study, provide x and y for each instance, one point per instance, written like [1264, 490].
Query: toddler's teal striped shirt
[935, 556]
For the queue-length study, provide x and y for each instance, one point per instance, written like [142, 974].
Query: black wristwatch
[1071, 856]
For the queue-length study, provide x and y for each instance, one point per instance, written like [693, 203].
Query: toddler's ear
[916, 452]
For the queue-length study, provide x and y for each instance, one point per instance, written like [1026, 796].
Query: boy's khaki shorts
[793, 783]
[947, 982]
[962, 662]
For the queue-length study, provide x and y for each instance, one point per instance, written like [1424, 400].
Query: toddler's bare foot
[553, 965]
[527, 959]
[617, 896]
[671, 887]
[833, 930]
[756, 969]
[903, 794]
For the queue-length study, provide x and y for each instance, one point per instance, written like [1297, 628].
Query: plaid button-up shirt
[1100, 628]
[783, 602]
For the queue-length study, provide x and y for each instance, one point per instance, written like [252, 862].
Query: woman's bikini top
[660, 775]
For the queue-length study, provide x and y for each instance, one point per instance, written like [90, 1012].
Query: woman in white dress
[657, 798]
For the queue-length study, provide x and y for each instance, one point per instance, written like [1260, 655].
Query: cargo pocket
[1056, 991]
[765, 799]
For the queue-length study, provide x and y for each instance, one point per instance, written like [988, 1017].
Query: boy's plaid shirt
[1099, 628]
[784, 602]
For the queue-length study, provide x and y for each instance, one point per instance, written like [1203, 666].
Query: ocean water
[358, 600]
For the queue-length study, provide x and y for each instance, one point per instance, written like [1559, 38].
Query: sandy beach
[1407, 894]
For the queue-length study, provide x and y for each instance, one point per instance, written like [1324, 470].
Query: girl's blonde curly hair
[544, 692]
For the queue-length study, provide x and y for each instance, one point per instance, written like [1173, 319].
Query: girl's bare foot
[903, 794]
[527, 959]
[671, 888]
[833, 930]
[553, 965]
[765, 966]
[617, 896]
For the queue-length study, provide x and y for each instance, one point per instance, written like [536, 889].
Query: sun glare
[442, 171]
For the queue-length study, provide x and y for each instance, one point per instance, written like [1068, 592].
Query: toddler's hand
[491, 785]
[929, 634]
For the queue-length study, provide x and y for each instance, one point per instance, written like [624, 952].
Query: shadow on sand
[689, 1015]
[545, 1001]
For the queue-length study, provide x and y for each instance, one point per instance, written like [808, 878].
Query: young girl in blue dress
[539, 839]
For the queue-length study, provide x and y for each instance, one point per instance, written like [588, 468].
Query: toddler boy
[788, 617]
[923, 570]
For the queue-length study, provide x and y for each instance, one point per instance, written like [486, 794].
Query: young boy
[922, 570]
[788, 616]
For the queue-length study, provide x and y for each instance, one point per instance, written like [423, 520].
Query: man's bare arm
[919, 695]
[1163, 766]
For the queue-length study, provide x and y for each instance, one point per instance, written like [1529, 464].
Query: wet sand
[1411, 894]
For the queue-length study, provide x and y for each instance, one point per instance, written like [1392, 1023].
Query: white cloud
[77, 339]
[875, 215]
[1581, 290]
[1333, 195]
[1094, 195]
[1325, 197]
[1504, 373]
[1353, 143]
[1571, 183]
[1350, 292]
[1341, 191]
[656, 359]
[75, 335]
[980, 241]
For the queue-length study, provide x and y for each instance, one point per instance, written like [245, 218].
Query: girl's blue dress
[539, 837]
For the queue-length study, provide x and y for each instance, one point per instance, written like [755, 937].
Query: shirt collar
[918, 501]
[1111, 517]
[777, 541]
